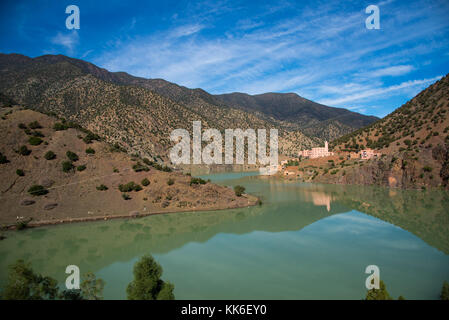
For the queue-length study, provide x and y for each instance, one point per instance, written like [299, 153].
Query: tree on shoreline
[147, 283]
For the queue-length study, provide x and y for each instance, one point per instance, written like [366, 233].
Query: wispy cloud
[67, 40]
[321, 51]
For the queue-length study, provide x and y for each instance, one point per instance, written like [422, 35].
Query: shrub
[145, 182]
[35, 141]
[126, 196]
[90, 151]
[34, 125]
[102, 187]
[90, 137]
[72, 156]
[20, 172]
[37, 190]
[37, 134]
[22, 126]
[427, 169]
[197, 181]
[59, 126]
[170, 181]
[130, 186]
[67, 166]
[24, 151]
[50, 155]
[81, 167]
[3, 159]
[138, 167]
[239, 190]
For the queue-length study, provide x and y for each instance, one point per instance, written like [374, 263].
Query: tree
[24, 284]
[378, 294]
[445, 291]
[147, 283]
[239, 190]
[92, 288]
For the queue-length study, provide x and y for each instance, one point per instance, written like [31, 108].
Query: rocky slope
[312, 118]
[136, 113]
[413, 141]
[57, 172]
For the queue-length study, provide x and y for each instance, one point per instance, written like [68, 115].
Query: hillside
[312, 118]
[54, 171]
[136, 113]
[413, 141]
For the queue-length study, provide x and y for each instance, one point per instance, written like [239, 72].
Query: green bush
[22, 126]
[37, 190]
[50, 155]
[145, 182]
[67, 166]
[72, 156]
[197, 181]
[20, 172]
[59, 126]
[34, 125]
[138, 167]
[81, 167]
[24, 151]
[102, 187]
[427, 169]
[239, 190]
[170, 181]
[126, 196]
[35, 141]
[90, 151]
[130, 186]
[3, 159]
[90, 137]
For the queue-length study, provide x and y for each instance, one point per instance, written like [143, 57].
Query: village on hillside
[290, 167]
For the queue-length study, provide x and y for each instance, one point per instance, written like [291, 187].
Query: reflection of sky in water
[304, 243]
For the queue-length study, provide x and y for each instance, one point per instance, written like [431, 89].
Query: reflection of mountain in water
[287, 207]
[423, 213]
[95, 245]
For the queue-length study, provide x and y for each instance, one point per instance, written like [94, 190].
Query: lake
[306, 241]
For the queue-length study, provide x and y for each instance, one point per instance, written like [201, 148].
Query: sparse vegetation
[90, 151]
[50, 155]
[35, 141]
[126, 196]
[102, 187]
[81, 168]
[3, 159]
[197, 181]
[67, 166]
[20, 172]
[37, 190]
[170, 181]
[130, 186]
[72, 156]
[239, 190]
[24, 151]
[145, 182]
[34, 125]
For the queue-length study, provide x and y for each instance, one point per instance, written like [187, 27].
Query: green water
[305, 242]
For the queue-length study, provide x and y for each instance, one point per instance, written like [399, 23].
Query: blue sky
[320, 50]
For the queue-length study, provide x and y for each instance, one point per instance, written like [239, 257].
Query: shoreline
[252, 201]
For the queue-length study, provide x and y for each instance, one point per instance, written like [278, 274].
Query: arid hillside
[413, 142]
[136, 113]
[54, 171]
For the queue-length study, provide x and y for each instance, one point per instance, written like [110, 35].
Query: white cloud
[67, 40]
[392, 71]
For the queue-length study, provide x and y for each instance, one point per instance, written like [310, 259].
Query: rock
[46, 183]
[50, 206]
[27, 202]
[134, 214]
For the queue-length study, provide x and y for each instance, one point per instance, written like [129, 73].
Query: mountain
[312, 118]
[413, 141]
[136, 113]
[70, 164]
